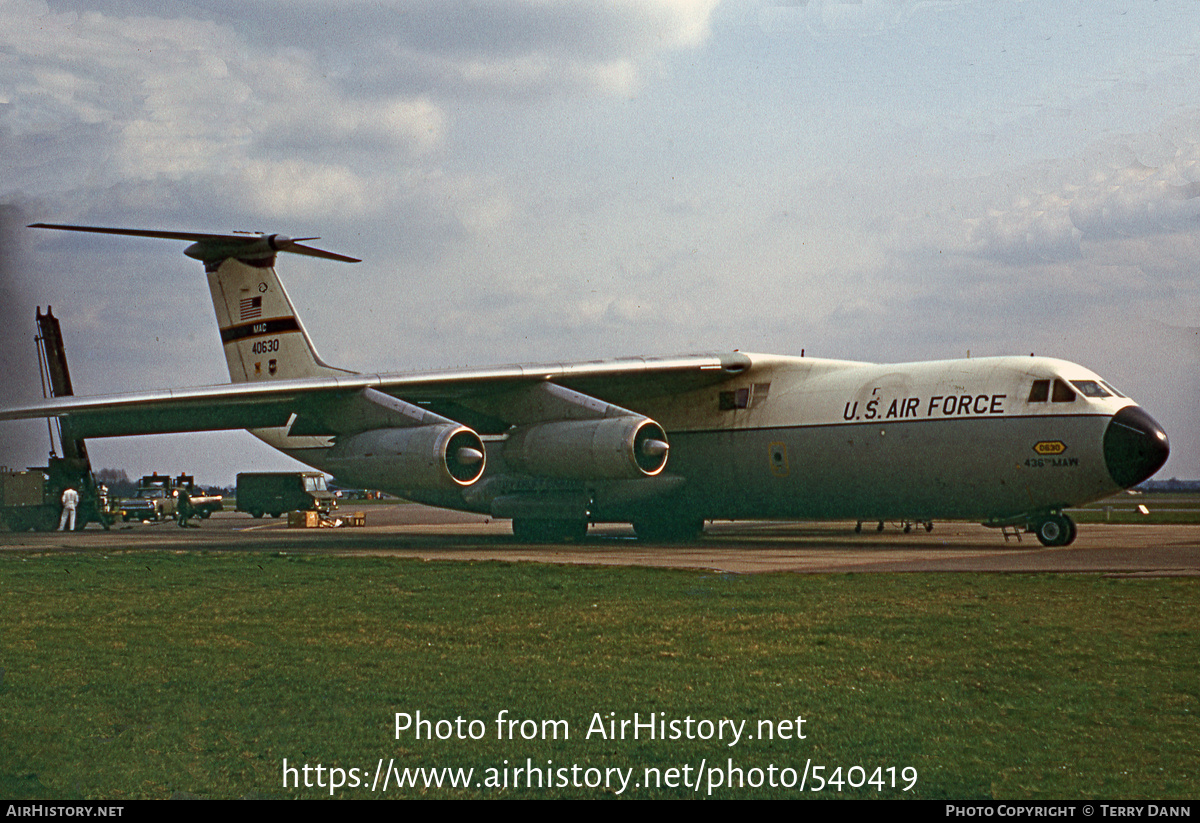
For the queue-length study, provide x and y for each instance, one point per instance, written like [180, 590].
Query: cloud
[486, 46]
[532, 47]
[125, 101]
[289, 112]
[1071, 210]
[835, 17]
[1033, 229]
[584, 29]
[1138, 200]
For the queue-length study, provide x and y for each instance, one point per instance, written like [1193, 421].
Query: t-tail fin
[260, 330]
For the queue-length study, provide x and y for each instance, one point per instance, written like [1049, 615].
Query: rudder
[261, 333]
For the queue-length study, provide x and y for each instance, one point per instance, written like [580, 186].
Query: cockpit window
[1040, 392]
[1062, 392]
[1111, 389]
[1090, 388]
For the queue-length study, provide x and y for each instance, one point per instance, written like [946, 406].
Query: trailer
[274, 493]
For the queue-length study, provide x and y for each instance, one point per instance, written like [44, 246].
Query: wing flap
[205, 408]
[151, 420]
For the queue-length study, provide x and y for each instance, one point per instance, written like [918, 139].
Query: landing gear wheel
[1055, 530]
[672, 530]
[537, 530]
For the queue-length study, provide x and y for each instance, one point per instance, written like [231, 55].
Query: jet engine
[613, 448]
[445, 456]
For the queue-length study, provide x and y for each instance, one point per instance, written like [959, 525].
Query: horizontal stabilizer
[218, 246]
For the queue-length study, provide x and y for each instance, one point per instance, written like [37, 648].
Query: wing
[489, 400]
[588, 422]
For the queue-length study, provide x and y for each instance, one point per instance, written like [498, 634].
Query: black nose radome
[1135, 446]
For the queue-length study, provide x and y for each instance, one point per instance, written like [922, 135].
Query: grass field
[150, 675]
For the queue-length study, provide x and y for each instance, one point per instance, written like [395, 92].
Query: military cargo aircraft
[664, 443]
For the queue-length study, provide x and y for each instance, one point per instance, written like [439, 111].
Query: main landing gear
[1054, 529]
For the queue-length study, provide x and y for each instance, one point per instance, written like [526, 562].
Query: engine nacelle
[421, 457]
[613, 448]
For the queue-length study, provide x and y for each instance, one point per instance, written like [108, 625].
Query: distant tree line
[118, 482]
[1172, 485]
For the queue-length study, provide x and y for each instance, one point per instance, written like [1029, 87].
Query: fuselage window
[1063, 393]
[1090, 388]
[1040, 392]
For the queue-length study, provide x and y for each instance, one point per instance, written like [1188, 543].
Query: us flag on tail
[251, 308]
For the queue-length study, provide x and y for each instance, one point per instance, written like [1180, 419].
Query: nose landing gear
[1054, 530]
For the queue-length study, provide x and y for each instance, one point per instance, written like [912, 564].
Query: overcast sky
[532, 180]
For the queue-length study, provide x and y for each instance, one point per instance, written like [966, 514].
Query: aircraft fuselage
[996, 440]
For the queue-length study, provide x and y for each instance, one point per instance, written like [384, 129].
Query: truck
[158, 495]
[274, 493]
[32, 499]
[203, 505]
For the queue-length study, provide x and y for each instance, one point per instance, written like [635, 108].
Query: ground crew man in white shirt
[70, 500]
